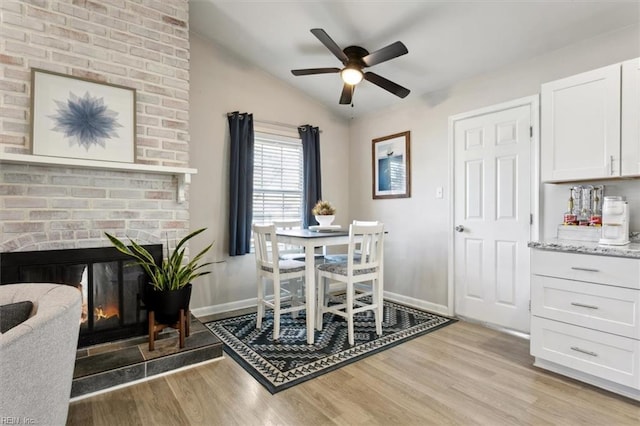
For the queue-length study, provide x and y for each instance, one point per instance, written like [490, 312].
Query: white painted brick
[145, 76]
[67, 37]
[69, 203]
[11, 126]
[126, 193]
[128, 38]
[108, 22]
[109, 68]
[110, 44]
[78, 61]
[11, 6]
[68, 33]
[46, 16]
[17, 74]
[159, 111]
[25, 49]
[70, 10]
[13, 113]
[178, 84]
[49, 42]
[90, 51]
[127, 60]
[12, 33]
[21, 21]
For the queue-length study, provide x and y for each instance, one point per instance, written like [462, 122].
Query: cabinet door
[631, 117]
[581, 126]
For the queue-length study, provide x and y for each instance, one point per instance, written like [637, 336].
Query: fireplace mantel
[183, 174]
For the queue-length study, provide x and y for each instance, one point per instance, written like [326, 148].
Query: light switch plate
[439, 192]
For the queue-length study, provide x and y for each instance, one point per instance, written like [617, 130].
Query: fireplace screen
[111, 286]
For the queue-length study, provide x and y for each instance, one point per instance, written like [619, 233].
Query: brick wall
[143, 44]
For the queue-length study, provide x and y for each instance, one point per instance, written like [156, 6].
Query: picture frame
[73, 117]
[391, 166]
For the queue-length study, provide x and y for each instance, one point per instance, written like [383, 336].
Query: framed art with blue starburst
[74, 117]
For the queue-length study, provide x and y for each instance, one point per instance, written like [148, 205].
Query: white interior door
[492, 213]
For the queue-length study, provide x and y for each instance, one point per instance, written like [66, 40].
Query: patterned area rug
[289, 361]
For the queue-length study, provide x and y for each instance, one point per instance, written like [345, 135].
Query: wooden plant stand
[182, 325]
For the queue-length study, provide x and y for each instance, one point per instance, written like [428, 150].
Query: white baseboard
[417, 303]
[225, 307]
[250, 303]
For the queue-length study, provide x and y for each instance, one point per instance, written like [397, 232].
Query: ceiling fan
[355, 59]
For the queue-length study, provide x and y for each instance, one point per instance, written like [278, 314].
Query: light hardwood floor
[462, 374]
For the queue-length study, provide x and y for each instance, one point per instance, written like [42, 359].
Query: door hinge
[530, 131]
[531, 219]
[529, 305]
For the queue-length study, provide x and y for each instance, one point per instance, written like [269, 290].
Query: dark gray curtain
[311, 168]
[240, 182]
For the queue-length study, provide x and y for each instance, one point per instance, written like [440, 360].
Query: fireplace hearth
[110, 283]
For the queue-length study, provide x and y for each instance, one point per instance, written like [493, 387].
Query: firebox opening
[111, 286]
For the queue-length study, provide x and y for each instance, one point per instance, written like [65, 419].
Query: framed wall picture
[78, 118]
[391, 164]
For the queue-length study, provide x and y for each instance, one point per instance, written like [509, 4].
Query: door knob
[459, 228]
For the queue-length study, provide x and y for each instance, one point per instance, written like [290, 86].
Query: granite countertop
[631, 250]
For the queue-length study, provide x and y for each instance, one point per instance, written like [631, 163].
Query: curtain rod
[273, 123]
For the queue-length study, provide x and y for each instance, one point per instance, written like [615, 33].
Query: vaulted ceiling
[448, 41]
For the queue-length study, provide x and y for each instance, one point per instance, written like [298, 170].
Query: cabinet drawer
[618, 271]
[601, 307]
[600, 354]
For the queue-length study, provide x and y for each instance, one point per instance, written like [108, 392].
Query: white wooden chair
[342, 257]
[362, 274]
[283, 273]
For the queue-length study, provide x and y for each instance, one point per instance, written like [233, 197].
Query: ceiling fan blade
[330, 44]
[347, 94]
[310, 71]
[391, 51]
[387, 85]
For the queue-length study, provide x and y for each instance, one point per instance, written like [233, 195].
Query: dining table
[310, 240]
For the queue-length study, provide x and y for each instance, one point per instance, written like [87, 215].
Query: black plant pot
[166, 304]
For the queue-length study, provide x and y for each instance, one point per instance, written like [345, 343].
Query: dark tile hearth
[103, 366]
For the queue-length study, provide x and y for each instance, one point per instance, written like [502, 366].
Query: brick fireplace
[111, 286]
[142, 44]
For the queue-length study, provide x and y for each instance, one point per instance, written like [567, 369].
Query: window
[277, 178]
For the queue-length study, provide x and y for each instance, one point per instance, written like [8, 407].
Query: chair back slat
[266, 245]
[366, 244]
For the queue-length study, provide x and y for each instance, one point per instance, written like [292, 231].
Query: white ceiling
[447, 41]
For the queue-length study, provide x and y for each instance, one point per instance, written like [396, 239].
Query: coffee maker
[615, 221]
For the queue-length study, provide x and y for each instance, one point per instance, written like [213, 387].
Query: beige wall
[222, 83]
[416, 247]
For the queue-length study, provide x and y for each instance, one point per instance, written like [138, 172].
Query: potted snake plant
[170, 287]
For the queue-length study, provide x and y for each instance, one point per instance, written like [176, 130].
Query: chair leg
[276, 309]
[260, 314]
[349, 309]
[152, 323]
[378, 312]
[320, 303]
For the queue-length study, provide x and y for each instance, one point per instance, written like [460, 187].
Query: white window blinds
[277, 178]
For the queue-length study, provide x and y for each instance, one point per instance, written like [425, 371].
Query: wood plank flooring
[463, 374]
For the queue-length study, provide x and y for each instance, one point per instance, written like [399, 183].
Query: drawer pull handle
[577, 268]
[583, 305]
[577, 349]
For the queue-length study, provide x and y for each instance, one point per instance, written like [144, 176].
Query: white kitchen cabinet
[585, 318]
[580, 118]
[630, 130]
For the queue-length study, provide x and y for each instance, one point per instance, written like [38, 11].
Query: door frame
[534, 103]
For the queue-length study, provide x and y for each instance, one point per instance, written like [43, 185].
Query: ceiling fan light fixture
[351, 76]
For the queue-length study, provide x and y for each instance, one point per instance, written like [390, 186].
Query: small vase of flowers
[324, 213]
